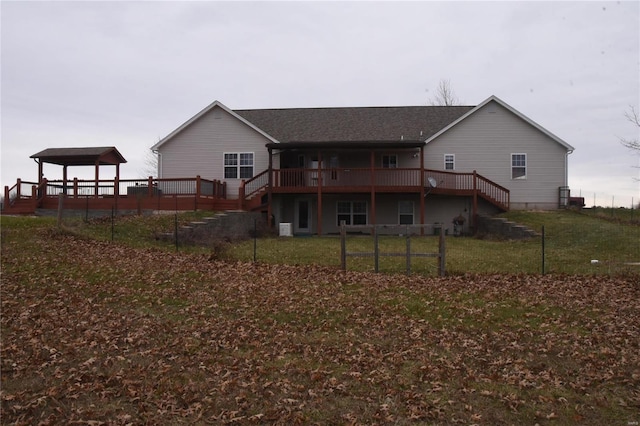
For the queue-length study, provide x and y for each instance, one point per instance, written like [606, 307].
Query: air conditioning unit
[285, 230]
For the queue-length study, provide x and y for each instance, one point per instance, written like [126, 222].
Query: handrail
[17, 192]
[493, 191]
[256, 184]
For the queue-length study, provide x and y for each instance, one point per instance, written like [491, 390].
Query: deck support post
[475, 202]
[64, 179]
[96, 195]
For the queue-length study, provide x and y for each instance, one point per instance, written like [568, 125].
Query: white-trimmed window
[449, 161]
[405, 212]
[238, 165]
[352, 212]
[389, 161]
[518, 166]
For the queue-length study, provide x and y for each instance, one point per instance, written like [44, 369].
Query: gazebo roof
[88, 156]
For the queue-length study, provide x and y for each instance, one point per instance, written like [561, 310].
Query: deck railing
[469, 183]
[134, 192]
[363, 179]
[137, 187]
[283, 180]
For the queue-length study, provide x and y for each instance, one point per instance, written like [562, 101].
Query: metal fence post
[543, 259]
[343, 246]
[255, 239]
[441, 244]
[175, 229]
[376, 250]
[408, 251]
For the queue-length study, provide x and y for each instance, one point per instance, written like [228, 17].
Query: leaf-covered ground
[98, 333]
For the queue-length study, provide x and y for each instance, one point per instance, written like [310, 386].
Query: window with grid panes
[405, 212]
[238, 165]
[518, 166]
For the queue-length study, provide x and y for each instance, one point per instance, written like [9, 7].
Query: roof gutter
[408, 144]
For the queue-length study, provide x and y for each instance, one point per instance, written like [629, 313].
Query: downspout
[566, 167]
[40, 170]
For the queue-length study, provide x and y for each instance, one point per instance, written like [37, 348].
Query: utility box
[285, 230]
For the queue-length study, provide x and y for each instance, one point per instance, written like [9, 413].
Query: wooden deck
[202, 194]
[132, 195]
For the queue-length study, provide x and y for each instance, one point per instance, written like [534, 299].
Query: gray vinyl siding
[484, 142]
[199, 149]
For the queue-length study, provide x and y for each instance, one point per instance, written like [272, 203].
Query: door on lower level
[302, 223]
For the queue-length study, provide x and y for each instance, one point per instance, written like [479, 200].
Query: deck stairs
[20, 206]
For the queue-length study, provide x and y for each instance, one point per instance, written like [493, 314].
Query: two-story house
[316, 167]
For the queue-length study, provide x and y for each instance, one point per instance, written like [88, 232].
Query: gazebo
[88, 156]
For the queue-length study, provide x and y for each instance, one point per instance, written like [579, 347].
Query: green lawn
[572, 241]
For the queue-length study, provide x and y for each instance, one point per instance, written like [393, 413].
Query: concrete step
[502, 227]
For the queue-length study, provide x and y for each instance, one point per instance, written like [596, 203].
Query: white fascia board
[517, 113]
[203, 112]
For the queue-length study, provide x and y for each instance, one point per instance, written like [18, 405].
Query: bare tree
[150, 167]
[632, 116]
[444, 95]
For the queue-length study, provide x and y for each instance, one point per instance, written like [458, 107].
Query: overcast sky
[126, 74]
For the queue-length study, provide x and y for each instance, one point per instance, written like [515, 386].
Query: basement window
[352, 212]
[405, 212]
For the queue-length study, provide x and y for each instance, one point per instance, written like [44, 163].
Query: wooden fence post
[60, 206]
[198, 190]
[241, 195]
[150, 186]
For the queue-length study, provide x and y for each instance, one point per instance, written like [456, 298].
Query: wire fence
[582, 242]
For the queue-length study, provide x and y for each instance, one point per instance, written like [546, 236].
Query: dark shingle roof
[353, 124]
[85, 156]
